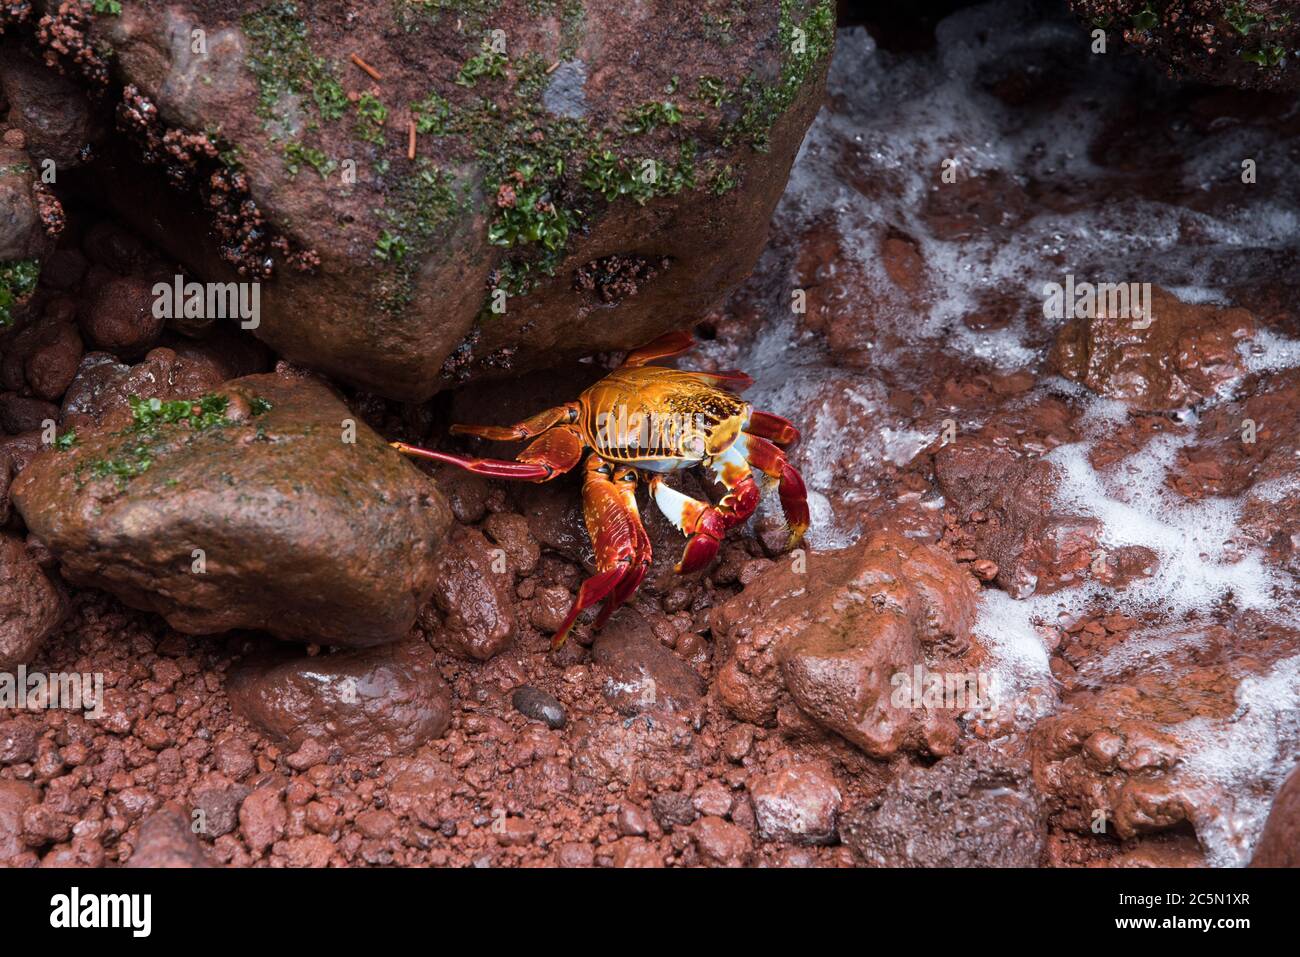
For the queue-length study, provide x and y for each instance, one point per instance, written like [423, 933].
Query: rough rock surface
[1160, 703]
[1003, 497]
[296, 531]
[167, 840]
[1248, 448]
[1176, 359]
[381, 701]
[640, 674]
[798, 802]
[1135, 744]
[30, 606]
[1240, 44]
[1279, 845]
[838, 632]
[21, 234]
[100, 393]
[472, 591]
[51, 110]
[415, 247]
[975, 809]
[43, 356]
[15, 798]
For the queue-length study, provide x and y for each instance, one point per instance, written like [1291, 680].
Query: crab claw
[704, 523]
[771, 461]
[794, 505]
[701, 549]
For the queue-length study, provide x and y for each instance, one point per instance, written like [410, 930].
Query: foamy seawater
[1188, 225]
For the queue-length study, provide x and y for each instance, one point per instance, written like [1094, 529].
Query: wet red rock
[166, 839]
[31, 607]
[639, 674]
[1175, 355]
[117, 314]
[1003, 500]
[471, 588]
[742, 716]
[1122, 747]
[834, 635]
[968, 810]
[368, 583]
[382, 701]
[796, 803]
[1279, 845]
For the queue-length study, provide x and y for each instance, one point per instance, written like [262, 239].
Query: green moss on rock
[17, 281]
[805, 45]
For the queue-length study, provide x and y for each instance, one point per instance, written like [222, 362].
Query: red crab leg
[615, 530]
[591, 591]
[529, 427]
[640, 560]
[773, 427]
[553, 453]
[674, 344]
[669, 344]
[771, 461]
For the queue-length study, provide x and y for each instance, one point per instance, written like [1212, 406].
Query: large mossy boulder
[262, 505]
[596, 173]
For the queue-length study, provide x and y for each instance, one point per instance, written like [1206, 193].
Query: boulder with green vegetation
[438, 191]
[23, 241]
[263, 504]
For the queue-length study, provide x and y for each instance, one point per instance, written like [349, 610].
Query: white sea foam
[1246, 758]
[896, 119]
[1269, 352]
[1202, 564]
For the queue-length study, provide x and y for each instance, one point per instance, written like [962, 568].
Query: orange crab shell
[659, 419]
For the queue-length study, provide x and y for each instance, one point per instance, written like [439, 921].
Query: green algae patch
[17, 282]
[806, 44]
[154, 424]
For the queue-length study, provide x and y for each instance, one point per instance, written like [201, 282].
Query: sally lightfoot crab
[643, 418]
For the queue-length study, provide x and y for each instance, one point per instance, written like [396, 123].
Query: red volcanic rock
[1176, 359]
[1003, 498]
[639, 674]
[166, 839]
[30, 606]
[472, 590]
[799, 803]
[117, 313]
[381, 701]
[835, 635]
[592, 259]
[1279, 845]
[1205, 41]
[1153, 749]
[976, 809]
[298, 531]
[43, 356]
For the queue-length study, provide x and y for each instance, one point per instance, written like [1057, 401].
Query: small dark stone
[673, 809]
[538, 704]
